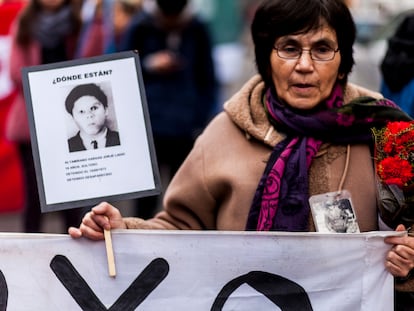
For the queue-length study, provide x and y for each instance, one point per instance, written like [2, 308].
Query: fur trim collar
[246, 110]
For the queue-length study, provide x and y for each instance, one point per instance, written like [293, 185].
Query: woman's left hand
[400, 259]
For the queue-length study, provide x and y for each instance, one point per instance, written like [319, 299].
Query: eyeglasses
[318, 53]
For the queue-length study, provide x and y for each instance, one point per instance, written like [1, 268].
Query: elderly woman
[296, 130]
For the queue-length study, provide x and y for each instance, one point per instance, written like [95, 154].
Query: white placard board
[70, 178]
[197, 270]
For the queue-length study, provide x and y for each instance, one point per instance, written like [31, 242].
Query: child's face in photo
[90, 115]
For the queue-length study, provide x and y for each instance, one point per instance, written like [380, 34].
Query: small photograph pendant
[334, 212]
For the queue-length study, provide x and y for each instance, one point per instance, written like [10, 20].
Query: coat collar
[246, 110]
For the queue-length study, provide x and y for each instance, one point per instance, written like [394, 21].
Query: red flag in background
[11, 176]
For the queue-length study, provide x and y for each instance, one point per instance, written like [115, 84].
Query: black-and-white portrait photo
[92, 121]
[339, 217]
[333, 212]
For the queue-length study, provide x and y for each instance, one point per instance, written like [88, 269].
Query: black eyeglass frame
[310, 53]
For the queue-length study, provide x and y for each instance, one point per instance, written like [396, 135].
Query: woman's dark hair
[277, 18]
[28, 16]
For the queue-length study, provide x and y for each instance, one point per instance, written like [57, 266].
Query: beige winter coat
[215, 186]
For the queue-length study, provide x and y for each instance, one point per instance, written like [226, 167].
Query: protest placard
[119, 162]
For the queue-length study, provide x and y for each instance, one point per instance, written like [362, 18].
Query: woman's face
[303, 83]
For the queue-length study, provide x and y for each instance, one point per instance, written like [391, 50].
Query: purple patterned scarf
[281, 199]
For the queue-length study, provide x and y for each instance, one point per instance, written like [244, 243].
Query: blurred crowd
[192, 46]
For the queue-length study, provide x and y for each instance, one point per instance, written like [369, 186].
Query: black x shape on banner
[130, 299]
[4, 292]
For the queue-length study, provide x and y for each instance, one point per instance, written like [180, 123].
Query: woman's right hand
[102, 216]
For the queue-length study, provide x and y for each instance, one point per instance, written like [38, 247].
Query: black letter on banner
[131, 298]
[4, 292]
[284, 293]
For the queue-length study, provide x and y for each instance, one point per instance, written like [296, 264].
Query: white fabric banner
[196, 270]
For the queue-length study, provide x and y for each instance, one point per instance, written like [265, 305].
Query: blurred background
[228, 22]
[376, 21]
